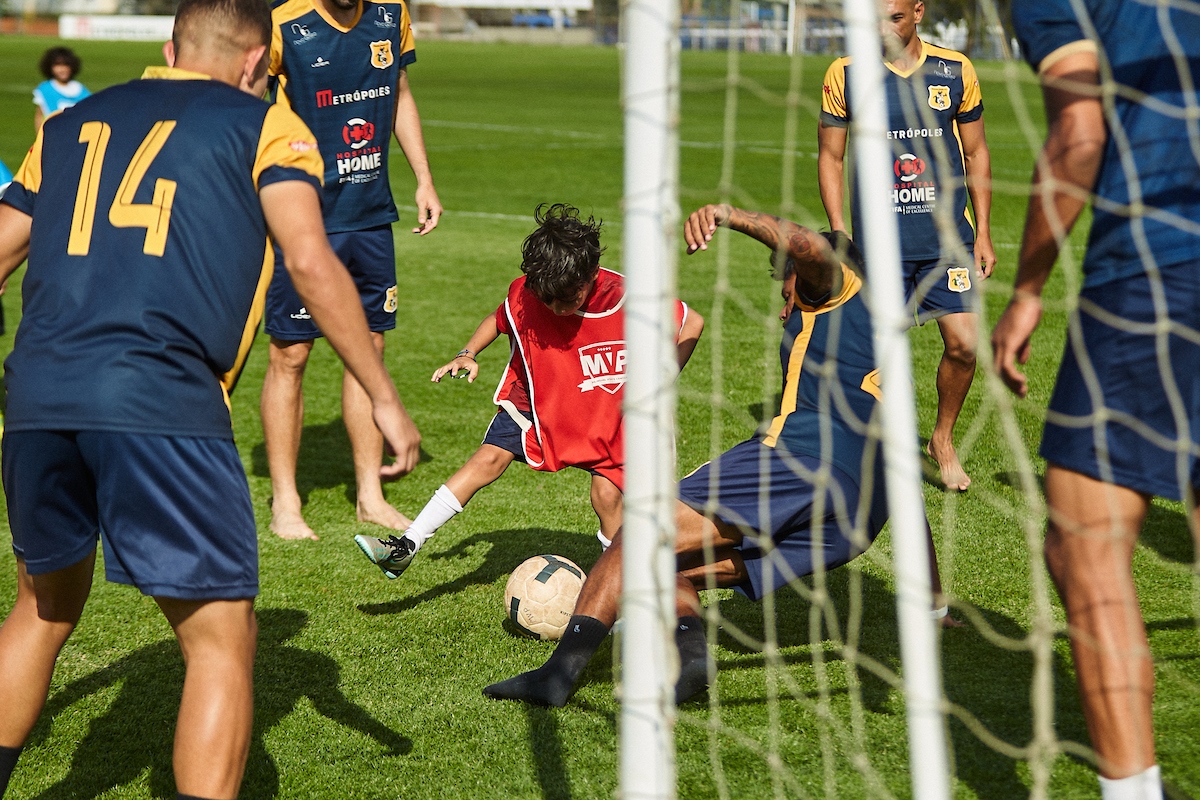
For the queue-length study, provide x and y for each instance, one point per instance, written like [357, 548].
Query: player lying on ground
[137, 320]
[560, 396]
[821, 511]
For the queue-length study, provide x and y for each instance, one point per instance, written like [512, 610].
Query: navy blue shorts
[769, 495]
[935, 288]
[1138, 446]
[505, 433]
[370, 257]
[173, 512]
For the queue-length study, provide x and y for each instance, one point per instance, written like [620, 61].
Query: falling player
[809, 490]
[560, 397]
[342, 66]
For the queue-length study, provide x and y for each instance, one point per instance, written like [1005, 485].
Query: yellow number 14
[154, 216]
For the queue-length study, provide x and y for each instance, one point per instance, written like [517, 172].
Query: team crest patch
[381, 54]
[958, 280]
[603, 366]
[389, 302]
[939, 97]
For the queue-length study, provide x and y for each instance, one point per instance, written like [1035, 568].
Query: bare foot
[950, 622]
[954, 477]
[290, 525]
[383, 514]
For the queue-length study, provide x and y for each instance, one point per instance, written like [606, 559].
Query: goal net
[839, 685]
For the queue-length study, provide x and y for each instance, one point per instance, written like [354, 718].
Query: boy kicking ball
[560, 397]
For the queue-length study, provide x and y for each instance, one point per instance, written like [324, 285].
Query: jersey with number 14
[148, 258]
[342, 82]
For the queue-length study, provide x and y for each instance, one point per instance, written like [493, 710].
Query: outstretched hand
[451, 369]
[402, 438]
[1011, 339]
[699, 228]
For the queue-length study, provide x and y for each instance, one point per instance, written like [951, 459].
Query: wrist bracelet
[465, 352]
[938, 613]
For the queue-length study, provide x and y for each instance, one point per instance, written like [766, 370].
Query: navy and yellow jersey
[830, 381]
[925, 107]
[1153, 53]
[342, 82]
[148, 259]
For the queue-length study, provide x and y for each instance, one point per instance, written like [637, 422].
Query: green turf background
[369, 688]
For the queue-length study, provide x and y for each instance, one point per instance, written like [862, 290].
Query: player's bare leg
[955, 373]
[1089, 550]
[609, 504]
[484, 467]
[43, 617]
[366, 444]
[282, 409]
[212, 735]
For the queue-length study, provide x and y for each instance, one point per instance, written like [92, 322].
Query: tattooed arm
[818, 271]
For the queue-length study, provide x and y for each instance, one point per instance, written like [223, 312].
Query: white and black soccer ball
[540, 595]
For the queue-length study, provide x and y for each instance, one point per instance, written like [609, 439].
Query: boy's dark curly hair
[59, 55]
[843, 246]
[562, 255]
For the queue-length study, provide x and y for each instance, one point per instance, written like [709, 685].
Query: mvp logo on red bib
[603, 366]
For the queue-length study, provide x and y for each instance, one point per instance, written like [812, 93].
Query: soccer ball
[540, 595]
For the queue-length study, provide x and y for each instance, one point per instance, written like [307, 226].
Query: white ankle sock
[436, 513]
[605, 542]
[1143, 786]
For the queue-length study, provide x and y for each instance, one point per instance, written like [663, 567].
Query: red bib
[573, 370]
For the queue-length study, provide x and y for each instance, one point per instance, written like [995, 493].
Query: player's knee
[288, 357]
[961, 352]
[606, 497]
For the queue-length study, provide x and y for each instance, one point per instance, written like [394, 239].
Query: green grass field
[370, 688]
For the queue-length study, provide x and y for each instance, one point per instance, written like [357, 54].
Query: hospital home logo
[603, 366]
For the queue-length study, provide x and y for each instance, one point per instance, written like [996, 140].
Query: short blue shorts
[778, 524]
[1136, 446]
[505, 433]
[173, 512]
[370, 257]
[935, 288]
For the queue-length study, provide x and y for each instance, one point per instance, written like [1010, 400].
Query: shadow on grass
[506, 549]
[135, 732]
[325, 460]
[989, 682]
[1165, 530]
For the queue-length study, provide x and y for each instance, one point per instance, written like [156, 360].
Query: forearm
[978, 166]
[1062, 182]
[484, 335]
[831, 182]
[407, 128]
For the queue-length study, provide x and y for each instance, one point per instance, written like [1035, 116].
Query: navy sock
[552, 683]
[693, 658]
[8, 762]
[182, 796]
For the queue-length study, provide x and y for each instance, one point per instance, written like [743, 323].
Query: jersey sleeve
[408, 45]
[287, 151]
[834, 111]
[39, 100]
[971, 107]
[502, 321]
[1048, 31]
[22, 192]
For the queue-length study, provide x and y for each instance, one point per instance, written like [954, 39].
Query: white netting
[809, 697]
